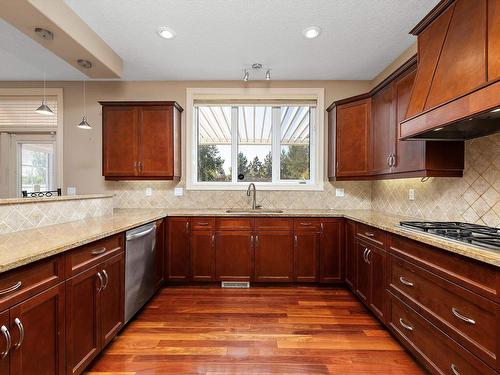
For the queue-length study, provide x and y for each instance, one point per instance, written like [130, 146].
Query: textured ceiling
[216, 39]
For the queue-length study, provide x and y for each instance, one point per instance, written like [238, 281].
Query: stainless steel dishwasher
[139, 268]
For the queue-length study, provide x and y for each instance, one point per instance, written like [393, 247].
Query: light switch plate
[411, 194]
[339, 192]
[178, 192]
[71, 190]
[149, 192]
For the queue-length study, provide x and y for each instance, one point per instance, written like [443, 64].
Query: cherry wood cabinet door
[37, 329]
[353, 128]
[155, 141]
[111, 298]
[363, 272]
[234, 256]
[331, 251]
[160, 251]
[119, 141]
[306, 256]
[178, 250]
[378, 294]
[5, 327]
[350, 255]
[82, 320]
[274, 256]
[383, 129]
[202, 246]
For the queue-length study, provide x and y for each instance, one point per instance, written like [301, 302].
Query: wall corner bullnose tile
[475, 198]
[16, 217]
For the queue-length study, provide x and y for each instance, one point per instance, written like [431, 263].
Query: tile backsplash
[21, 216]
[475, 198]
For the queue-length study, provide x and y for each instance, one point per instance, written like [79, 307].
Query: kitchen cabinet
[94, 311]
[234, 255]
[37, 330]
[160, 251]
[363, 271]
[4, 332]
[332, 252]
[350, 255]
[306, 256]
[177, 267]
[274, 256]
[383, 130]
[141, 140]
[350, 140]
[202, 246]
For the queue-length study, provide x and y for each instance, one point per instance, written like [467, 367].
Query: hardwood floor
[262, 330]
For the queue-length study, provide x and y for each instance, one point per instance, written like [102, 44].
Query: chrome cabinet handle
[107, 279]
[11, 288]
[20, 327]
[187, 226]
[364, 254]
[405, 282]
[98, 251]
[462, 317]
[454, 369]
[101, 280]
[213, 240]
[296, 240]
[389, 160]
[368, 256]
[256, 241]
[8, 341]
[405, 325]
[369, 234]
[393, 163]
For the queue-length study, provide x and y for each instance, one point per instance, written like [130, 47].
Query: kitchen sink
[253, 211]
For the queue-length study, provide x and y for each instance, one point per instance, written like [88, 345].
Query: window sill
[259, 186]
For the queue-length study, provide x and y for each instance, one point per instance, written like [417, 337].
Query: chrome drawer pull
[101, 280]
[305, 224]
[454, 369]
[8, 341]
[405, 325]
[106, 281]
[202, 224]
[368, 256]
[405, 282]
[98, 251]
[20, 327]
[11, 288]
[369, 234]
[462, 317]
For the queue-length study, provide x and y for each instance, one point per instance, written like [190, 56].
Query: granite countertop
[20, 248]
[54, 198]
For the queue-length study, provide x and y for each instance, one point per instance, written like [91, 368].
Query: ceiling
[217, 39]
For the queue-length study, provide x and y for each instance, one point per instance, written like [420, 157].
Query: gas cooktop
[478, 235]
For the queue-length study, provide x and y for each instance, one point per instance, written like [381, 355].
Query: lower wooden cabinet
[202, 249]
[306, 256]
[177, 264]
[37, 332]
[234, 256]
[274, 256]
[363, 271]
[331, 257]
[350, 255]
[94, 311]
[4, 332]
[160, 251]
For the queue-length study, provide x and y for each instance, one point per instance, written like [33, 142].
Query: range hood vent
[457, 87]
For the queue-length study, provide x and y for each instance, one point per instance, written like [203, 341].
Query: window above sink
[271, 137]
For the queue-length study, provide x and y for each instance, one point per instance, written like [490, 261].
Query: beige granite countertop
[53, 198]
[20, 248]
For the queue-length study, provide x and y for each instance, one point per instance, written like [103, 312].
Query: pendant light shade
[44, 109]
[84, 124]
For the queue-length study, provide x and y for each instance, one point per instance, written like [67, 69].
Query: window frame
[316, 140]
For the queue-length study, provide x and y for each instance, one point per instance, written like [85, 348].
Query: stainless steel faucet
[254, 199]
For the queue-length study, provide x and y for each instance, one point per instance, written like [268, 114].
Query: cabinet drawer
[234, 223]
[438, 352]
[273, 224]
[464, 315]
[307, 223]
[374, 235]
[24, 282]
[202, 223]
[86, 256]
[469, 273]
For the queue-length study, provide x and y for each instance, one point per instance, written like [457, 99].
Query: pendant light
[84, 124]
[44, 109]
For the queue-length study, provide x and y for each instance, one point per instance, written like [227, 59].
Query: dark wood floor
[289, 330]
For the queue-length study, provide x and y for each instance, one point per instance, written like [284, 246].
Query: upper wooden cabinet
[141, 140]
[364, 137]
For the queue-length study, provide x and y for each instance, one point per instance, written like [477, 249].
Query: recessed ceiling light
[311, 32]
[166, 32]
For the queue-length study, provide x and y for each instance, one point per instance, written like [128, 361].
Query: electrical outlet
[339, 192]
[178, 192]
[411, 194]
[71, 190]
[149, 192]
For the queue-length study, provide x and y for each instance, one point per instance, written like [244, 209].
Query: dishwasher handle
[141, 234]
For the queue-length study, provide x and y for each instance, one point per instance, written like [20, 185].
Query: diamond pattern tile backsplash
[475, 198]
[16, 217]
[131, 194]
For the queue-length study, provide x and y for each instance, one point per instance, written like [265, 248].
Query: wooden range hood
[457, 87]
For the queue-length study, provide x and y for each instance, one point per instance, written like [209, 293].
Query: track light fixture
[256, 67]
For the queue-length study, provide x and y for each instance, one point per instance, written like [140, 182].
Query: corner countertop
[24, 247]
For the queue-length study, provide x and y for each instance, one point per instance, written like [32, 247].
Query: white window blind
[18, 112]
